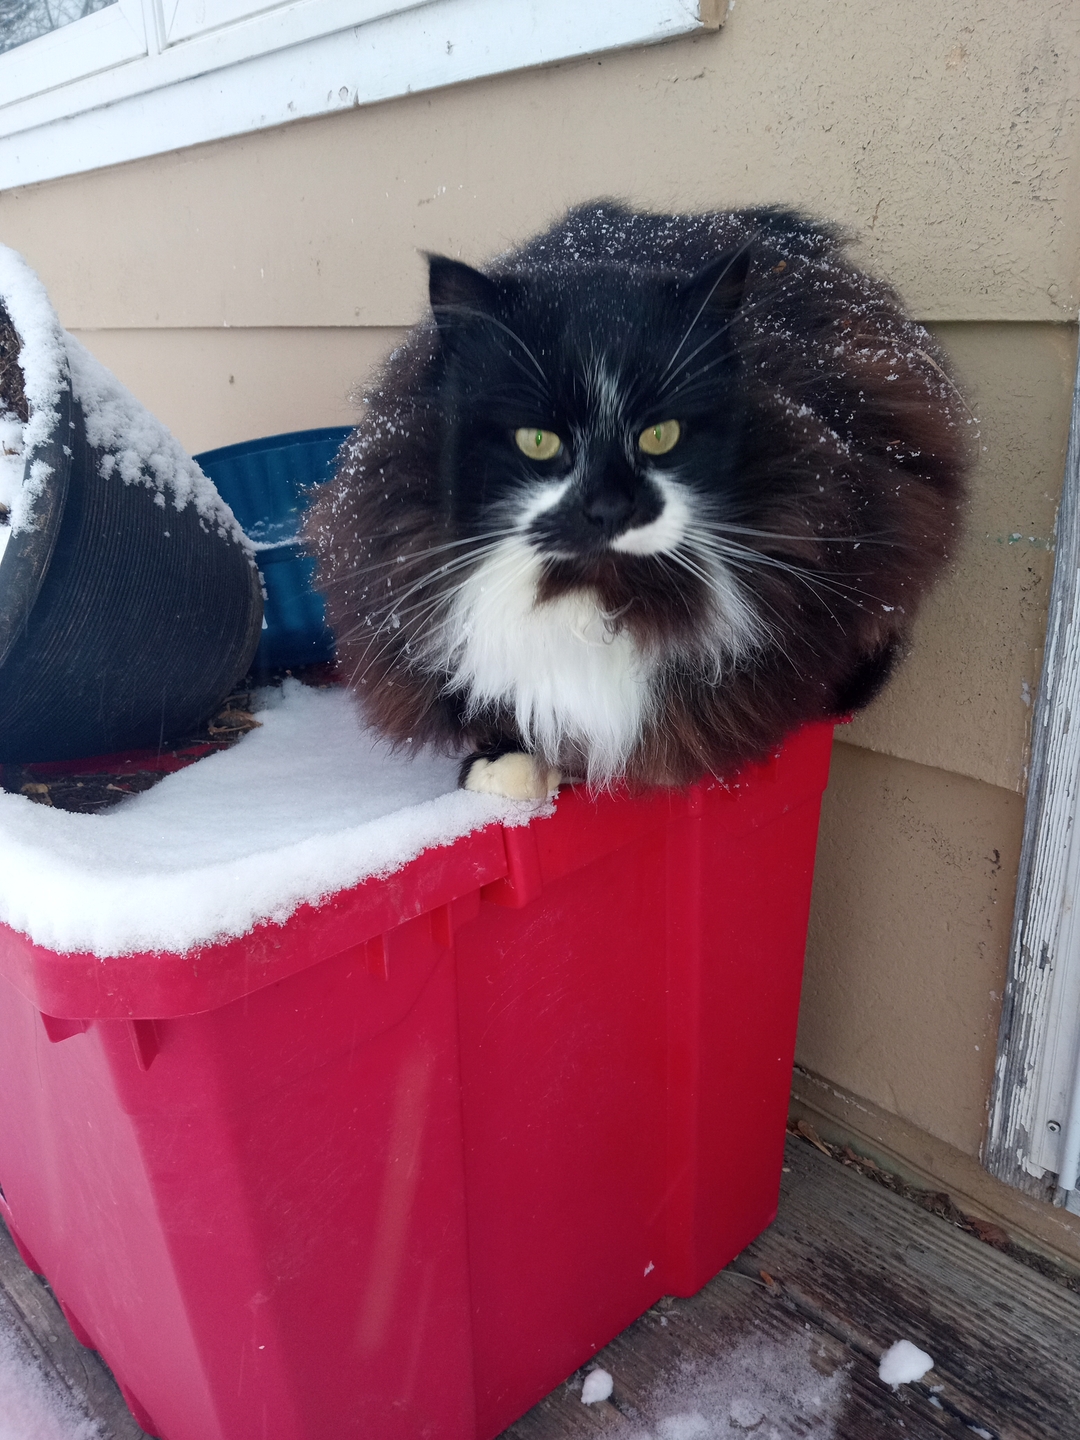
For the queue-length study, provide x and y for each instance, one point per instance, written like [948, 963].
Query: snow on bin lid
[308, 804]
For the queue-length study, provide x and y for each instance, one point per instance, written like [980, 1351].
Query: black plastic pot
[124, 621]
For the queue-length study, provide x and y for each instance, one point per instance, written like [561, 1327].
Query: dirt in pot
[88, 788]
[14, 413]
[12, 388]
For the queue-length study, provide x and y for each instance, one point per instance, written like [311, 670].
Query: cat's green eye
[659, 439]
[537, 444]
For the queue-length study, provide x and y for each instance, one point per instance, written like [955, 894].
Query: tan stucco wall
[909, 938]
[963, 699]
[243, 287]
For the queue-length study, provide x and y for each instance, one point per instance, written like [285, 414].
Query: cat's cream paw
[515, 776]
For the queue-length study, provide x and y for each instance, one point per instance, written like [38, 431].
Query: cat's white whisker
[396, 601]
[701, 310]
[727, 528]
[674, 388]
[819, 583]
[409, 558]
[810, 576]
[489, 319]
[395, 609]
[704, 370]
[737, 628]
[769, 634]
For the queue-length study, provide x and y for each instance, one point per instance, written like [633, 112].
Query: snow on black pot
[129, 599]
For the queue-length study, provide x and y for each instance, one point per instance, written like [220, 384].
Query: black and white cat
[647, 494]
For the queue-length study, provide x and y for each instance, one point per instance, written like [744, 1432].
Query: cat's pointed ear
[457, 290]
[721, 285]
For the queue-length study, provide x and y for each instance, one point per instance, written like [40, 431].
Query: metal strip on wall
[1035, 1103]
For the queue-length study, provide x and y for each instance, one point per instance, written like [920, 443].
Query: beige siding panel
[942, 135]
[909, 939]
[216, 387]
[962, 699]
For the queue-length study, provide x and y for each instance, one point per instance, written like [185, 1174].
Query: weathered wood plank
[874, 1269]
[700, 1331]
[854, 1268]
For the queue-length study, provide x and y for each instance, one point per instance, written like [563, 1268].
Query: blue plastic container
[267, 483]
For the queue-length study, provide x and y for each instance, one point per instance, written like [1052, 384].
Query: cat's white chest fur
[559, 666]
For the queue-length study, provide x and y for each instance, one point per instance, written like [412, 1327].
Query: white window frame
[143, 77]
[97, 42]
[1034, 1136]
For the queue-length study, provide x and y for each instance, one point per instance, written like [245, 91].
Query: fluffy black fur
[819, 466]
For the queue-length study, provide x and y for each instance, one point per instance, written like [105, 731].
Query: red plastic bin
[397, 1167]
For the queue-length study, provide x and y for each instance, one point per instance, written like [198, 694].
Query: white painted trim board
[174, 84]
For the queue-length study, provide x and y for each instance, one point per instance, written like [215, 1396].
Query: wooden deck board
[873, 1268]
[862, 1267]
[852, 1268]
[701, 1329]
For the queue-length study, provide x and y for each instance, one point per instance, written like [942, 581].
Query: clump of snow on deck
[770, 1389]
[903, 1363]
[42, 360]
[308, 804]
[598, 1386]
[139, 449]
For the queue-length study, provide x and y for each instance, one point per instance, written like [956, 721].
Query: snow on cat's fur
[646, 494]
